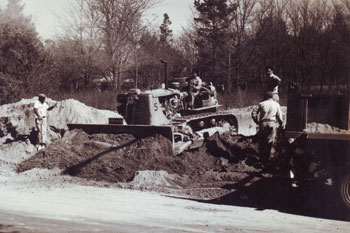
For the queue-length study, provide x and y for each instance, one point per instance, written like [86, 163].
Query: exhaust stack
[165, 73]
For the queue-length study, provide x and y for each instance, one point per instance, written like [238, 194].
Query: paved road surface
[76, 208]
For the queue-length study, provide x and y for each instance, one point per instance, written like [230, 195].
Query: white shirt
[199, 81]
[42, 108]
[196, 82]
[269, 110]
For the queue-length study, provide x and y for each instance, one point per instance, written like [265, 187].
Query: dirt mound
[314, 127]
[118, 158]
[18, 118]
[17, 124]
[147, 179]
[106, 157]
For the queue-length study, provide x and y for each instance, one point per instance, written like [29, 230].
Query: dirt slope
[17, 124]
[118, 158]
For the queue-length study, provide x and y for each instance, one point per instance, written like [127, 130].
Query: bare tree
[270, 40]
[307, 19]
[239, 29]
[111, 26]
[79, 26]
[120, 23]
[186, 44]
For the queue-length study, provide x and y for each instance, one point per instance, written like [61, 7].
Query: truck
[318, 130]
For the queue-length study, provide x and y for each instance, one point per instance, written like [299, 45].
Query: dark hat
[268, 95]
[42, 95]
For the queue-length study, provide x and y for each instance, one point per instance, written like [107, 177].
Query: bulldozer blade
[182, 146]
[139, 131]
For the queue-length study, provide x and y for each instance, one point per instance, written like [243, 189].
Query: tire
[343, 193]
[344, 190]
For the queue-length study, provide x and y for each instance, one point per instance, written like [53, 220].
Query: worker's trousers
[41, 126]
[267, 137]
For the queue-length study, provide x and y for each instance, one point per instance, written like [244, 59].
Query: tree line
[306, 42]
[106, 43]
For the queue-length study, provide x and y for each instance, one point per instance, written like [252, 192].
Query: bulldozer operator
[194, 86]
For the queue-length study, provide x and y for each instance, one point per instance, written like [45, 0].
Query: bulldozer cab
[204, 101]
[205, 97]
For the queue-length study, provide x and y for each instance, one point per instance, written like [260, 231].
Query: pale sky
[44, 14]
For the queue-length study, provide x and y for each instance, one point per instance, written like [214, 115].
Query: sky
[45, 14]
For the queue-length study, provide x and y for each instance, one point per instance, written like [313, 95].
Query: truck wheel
[343, 189]
[344, 186]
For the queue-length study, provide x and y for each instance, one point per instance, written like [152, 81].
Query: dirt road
[41, 206]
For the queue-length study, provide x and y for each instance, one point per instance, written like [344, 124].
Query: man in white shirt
[195, 84]
[267, 116]
[40, 110]
[272, 84]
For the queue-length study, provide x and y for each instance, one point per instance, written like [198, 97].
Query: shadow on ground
[263, 193]
[5, 228]
[76, 169]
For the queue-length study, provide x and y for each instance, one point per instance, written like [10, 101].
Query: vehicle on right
[318, 132]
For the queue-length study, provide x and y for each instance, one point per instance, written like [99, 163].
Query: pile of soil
[17, 119]
[118, 158]
[17, 126]
[314, 127]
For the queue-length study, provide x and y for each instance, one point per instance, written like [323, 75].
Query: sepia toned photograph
[143, 116]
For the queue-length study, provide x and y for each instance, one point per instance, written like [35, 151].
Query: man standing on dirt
[267, 115]
[272, 84]
[40, 110]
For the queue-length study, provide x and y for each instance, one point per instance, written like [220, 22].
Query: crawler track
[193, 120]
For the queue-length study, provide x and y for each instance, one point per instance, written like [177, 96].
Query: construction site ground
[119, 183]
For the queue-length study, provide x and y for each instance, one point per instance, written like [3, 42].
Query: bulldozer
[163, 111]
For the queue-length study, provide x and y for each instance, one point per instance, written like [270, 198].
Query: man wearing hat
[40, 110]
[267, 116]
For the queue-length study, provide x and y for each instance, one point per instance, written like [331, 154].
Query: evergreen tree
[213, 32]
[165, 31]
[21, 51]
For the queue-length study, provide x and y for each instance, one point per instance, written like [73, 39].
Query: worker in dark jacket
[272, 85]
[268, 116]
